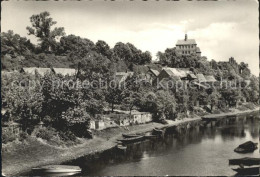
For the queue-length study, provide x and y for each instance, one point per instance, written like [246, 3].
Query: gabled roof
[210, 78]
[32, 70]
[155, 72]
[177, 72]
[193, 76]
[64, 71]
[122, 76]
[201, 78]
[186, 42]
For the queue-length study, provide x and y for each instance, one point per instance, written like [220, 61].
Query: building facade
[187, 47]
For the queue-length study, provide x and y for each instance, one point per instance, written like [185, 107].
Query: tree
[103, 48]
[213, 100]
[14, 44]
[41, 28]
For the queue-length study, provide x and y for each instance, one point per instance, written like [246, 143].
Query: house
[120, 77]
[12, 126]
[151, 75]
[187, 47]
[97, 124]
[92, 124]
[120, 119]
[64, 71]
[33, 70]
[146, 117]
[140, 117]
[174, 73]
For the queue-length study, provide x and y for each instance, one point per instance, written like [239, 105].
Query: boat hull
[132, 140]
[58, 169]
[245, 161]
[247, 171]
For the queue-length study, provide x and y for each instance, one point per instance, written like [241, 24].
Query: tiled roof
[32, 70]
[65, 71]
[177, 72]
[186, 42]
[155, 72]
[201, 78]
[210, 79]
[193, 76]
[122, 76]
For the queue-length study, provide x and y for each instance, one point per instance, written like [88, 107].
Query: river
[191, 152]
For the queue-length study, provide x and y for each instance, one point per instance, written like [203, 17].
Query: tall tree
[41, 28]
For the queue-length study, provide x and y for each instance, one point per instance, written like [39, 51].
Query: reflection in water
[194, 151]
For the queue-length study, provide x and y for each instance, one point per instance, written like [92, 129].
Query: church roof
[186, 42]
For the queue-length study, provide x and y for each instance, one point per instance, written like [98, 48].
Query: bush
[22, 136]
[67, 136]
[8, 136]
[250, 106]
[46, 133]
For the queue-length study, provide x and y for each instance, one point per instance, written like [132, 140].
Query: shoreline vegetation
[42, 153]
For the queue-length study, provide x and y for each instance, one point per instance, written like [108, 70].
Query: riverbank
[38, 153]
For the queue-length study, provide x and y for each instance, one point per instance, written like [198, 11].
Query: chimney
[186, 37]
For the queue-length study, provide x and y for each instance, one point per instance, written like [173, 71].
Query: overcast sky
[221, 29]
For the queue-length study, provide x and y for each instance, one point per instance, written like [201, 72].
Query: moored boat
[246, 147]
[157, 131]
[58, 169]
[121, 147]
[151, 136]
[132, 140]
[130, 135]
[247, 171]
[245, 161]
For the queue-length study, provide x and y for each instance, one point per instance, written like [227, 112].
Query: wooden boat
[247, 171]
[130, 135]
[248, 161]
[157, 131]
[151, 136]
[121, 147]
[58, 169]
[132, 140]
[246, 147]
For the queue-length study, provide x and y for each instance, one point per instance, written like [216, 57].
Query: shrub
[66, 136]
[8, 136]
[46, 133]
[250, 106]
[22, 136]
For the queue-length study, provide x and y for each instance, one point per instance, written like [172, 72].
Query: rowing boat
[58, 169]
[246, 147]
[130, 135]
[132, 140]
[247, 171]
[248, 161]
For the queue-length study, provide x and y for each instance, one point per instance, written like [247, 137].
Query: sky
[221, 28]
